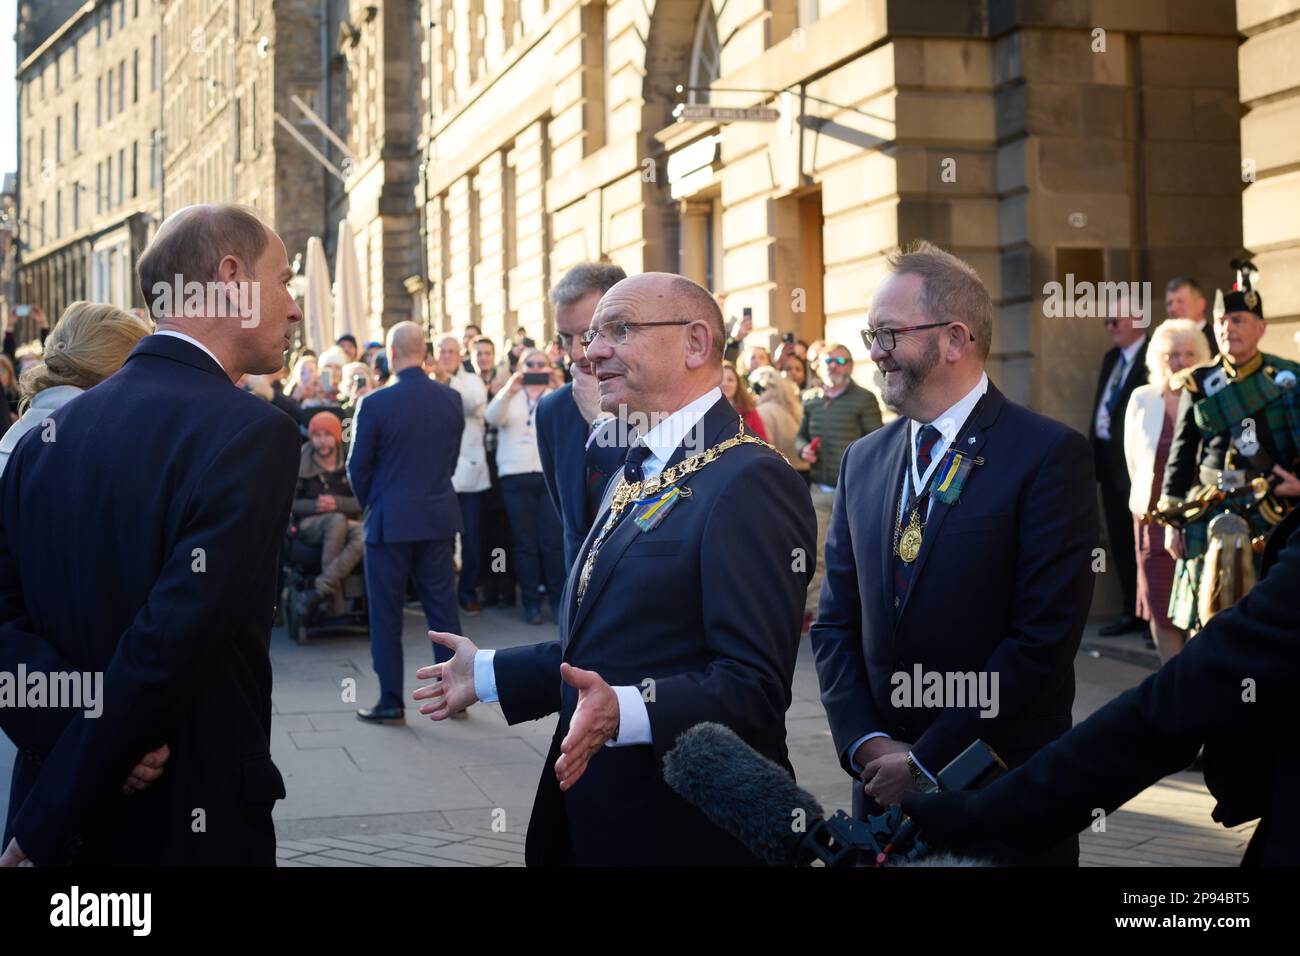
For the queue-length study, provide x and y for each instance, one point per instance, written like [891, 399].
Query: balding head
[405, 346]
[660, 344]
[192, 243]
[217, 273]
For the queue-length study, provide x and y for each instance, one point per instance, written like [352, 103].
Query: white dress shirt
[949, 424]
[1115, 381]
[193, 341]
[663, 441]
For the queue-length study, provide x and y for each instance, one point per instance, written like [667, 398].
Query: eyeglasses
[886, 335]
[836, 360]
[617, 333]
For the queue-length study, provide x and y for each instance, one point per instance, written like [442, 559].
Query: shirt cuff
[921, 767]
[633, 718]
[485, 677]
[853, 748]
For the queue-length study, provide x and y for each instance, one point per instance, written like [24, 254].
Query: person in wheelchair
[326, 512]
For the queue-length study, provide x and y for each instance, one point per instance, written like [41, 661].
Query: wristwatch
[919, 778]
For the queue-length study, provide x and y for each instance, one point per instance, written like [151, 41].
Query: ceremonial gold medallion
[909, 545]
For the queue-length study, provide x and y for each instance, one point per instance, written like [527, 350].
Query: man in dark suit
[1185, 299]
[1123, 369]
[576, 465]
[976, 569]
[1230, 690]
[144, 543]
[406, 439]
[676, 612]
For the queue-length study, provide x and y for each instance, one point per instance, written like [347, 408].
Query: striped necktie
[927, 440]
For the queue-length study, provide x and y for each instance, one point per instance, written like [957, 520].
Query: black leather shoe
[382, 715]
[1128, 624]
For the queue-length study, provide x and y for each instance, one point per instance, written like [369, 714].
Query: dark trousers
[538, 538]
[471, 507]
[429, 566]
[496, 576]
[1119, 536]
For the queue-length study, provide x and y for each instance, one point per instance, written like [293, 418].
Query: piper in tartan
[1238, 423]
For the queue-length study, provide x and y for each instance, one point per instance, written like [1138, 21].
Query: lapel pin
[971, 440]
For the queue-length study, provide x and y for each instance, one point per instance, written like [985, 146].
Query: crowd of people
[681, 562]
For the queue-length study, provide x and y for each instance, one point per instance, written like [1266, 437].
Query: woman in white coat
[88, 344]
[1148, 431]
[535, 529]
[471, 477]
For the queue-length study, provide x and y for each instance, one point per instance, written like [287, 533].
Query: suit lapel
[719, 422]
[895, 460]
[970, 440]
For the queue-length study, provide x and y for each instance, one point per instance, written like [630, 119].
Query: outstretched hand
[452, 689]
[594, 721]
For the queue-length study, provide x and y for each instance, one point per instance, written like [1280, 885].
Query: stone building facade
[488, 145]
[1270, 147]
[89, 173]
[231, 68]
[1035, 139]
[376, 107]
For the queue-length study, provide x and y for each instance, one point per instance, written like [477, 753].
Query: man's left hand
[1288, 486]
[887, 779]
[594, 721]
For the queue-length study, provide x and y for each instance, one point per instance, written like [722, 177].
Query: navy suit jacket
[1232, 689]
[405, 442]
[575, 472]
[143, 542]
[1108, 457]
[703, 614]
[1002, 584]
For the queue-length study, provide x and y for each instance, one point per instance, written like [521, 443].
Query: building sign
[727, 114]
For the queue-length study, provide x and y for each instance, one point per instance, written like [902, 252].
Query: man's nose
[877, 353]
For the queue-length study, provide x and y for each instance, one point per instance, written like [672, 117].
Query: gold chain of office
[626, 492]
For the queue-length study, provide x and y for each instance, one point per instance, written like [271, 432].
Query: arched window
[706, 54]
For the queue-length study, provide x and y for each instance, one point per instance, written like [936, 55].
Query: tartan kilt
[1187, 572]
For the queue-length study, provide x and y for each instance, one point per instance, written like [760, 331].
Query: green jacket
[839, 422]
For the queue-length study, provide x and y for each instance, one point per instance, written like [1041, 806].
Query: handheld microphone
[742, 792]
[756, 801]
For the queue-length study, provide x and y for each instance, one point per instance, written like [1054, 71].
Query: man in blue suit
[405, 442]
[676, 611]
[958, 565]
[576, 464]
[141, 539]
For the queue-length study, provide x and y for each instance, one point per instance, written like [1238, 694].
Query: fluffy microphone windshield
[742, 792]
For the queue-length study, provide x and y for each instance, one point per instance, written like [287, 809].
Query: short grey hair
[584, 279]
[951, 291]
[192, 241]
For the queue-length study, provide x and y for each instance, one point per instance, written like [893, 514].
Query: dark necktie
[1117, 382]
[636, 457]
[927, 439]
